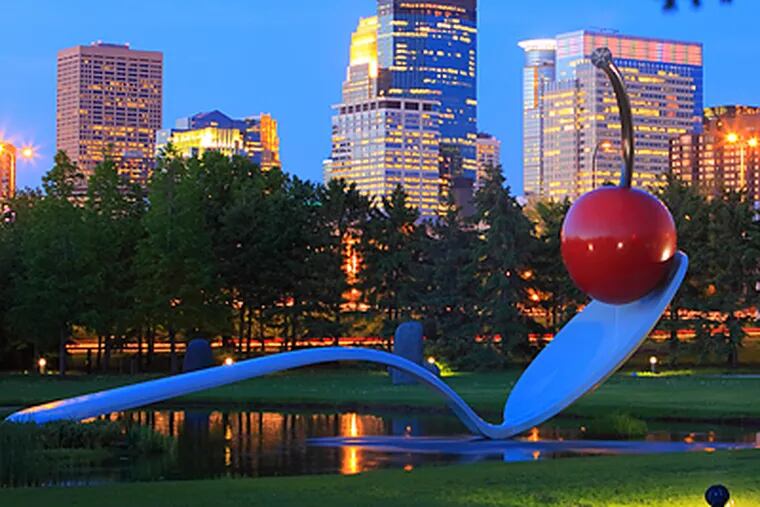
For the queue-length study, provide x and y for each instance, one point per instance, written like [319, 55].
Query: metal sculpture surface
[629, 265]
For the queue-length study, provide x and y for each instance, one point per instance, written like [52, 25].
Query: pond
[257, 443]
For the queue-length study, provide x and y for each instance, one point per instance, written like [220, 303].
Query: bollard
[717, 495]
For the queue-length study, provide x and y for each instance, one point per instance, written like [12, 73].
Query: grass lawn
[694, 397]
[673, 480]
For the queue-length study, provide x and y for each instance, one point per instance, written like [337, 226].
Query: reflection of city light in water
[351, 464]
[350, 461]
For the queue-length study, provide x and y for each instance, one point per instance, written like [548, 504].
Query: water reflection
[265, 443]
[251, 443]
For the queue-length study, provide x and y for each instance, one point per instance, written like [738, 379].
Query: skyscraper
[254, 137]
[428, 49]
[488, 155]
[109, 100]
[409, 105]
[570, 110]
[725, 156]
[7, 170]
[540, 61]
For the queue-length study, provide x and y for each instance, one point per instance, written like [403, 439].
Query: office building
[570, 110]
[109, 100]
[538, 72]
[428, 49]
[488, 155]
[254, 137]
[7, 170]
[409, 104]
[725, 156]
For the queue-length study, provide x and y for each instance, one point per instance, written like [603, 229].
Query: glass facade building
[427, 49]
[254, 137]
[409, 105]
[540, 61]
[575, 113]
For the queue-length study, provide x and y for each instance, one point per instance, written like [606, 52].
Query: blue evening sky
[288, 57]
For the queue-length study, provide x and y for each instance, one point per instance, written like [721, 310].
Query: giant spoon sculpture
[619, 245]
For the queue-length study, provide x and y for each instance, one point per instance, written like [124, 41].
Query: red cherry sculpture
[618, 243]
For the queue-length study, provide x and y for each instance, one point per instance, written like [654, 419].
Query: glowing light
[229, 361]
[408, 468]
[42, 362]
[653, 360]
[752, 143]
[27, 152]
[364, 45]
[538, 45]
[732, 137]
[431, 360]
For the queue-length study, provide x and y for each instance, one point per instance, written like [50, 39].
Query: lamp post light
[653, 364]
[41, 364]
[604, 145]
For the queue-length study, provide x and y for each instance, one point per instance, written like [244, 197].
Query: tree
[451, 301]
[251, 230]
[734, 247]
[112, 214]
[294, 215]
[502, 254]
[179, 282]
[691, 213]
[673, 4]
[49, 283]
[341, 215]
[552, 289]
[392, 252]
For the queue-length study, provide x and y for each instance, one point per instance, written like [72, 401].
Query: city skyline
[27, 102]
[571, 113]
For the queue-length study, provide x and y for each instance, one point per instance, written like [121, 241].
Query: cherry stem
[602, 59]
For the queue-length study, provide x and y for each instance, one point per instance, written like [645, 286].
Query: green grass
[691, 397]
[675, 480]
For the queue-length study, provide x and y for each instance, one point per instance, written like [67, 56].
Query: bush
[617, 426]
[100, 434]
[29, 453]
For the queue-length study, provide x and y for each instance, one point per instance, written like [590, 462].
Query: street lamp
[604, 145]
[734, 138]
[653, 364]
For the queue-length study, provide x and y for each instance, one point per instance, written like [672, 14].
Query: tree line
[216, 247]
